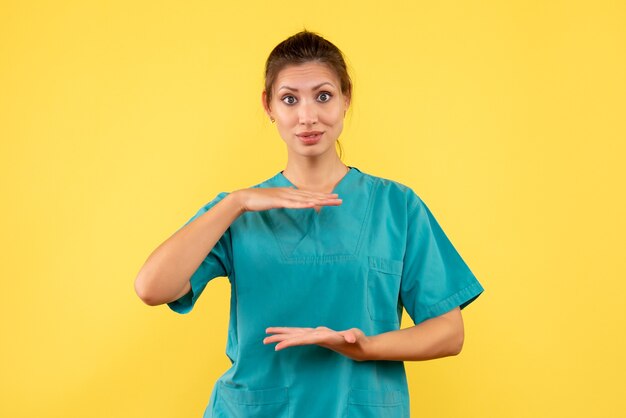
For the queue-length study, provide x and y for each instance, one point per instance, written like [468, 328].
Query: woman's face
[308, 107]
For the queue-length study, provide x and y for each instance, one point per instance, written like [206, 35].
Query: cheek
[334, 114]
[285, 115]
[285, 130]
[335, 118]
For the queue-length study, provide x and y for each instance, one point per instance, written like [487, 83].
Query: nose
[307, 113]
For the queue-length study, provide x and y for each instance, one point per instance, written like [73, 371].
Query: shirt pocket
[374, 404]
[383, 289]
[233, 402]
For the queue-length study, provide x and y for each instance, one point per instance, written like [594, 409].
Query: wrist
[235, 201]
[371, 348]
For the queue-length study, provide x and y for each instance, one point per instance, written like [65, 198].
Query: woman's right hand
[258, 198]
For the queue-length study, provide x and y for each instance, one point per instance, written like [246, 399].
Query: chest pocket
[242, 403]
[383, 289]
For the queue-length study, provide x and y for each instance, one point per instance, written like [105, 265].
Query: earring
[272, 119]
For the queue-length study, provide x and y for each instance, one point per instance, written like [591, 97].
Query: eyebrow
[314, 88]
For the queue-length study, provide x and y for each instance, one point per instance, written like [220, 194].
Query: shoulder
[393, 191]
[212, 202]
[392, 185]
[274, 181]
[277, 180]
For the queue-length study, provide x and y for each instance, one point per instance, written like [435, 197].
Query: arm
[165, 275]
[437, 337]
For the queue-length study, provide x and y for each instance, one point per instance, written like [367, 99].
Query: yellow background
[118, 120]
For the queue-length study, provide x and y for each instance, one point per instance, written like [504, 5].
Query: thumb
[349, 337]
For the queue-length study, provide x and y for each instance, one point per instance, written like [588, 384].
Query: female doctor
[321, 258]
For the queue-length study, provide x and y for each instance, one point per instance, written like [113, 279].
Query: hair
[303, 47]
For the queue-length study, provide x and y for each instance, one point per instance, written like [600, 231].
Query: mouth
[310, 137]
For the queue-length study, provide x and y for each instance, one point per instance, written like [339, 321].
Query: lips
[309, 133]
[310, 137]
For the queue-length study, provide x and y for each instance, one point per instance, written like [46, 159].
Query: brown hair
[304, 47]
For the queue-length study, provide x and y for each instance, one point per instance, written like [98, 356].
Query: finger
[323, 338]
[289, 340]
[316, 201]
[278, 330]
[310, 203]
[305, 339]
[276, 338]
[311, 192]
[331, 202]
[308, 193]
[348, 336]
[298, 204]
[312, 198]
[275, 330]
[330, 341]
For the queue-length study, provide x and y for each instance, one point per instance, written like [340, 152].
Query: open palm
[351, 343]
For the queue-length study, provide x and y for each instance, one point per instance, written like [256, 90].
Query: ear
[265, 104]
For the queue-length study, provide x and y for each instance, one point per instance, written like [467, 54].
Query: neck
[320, 175]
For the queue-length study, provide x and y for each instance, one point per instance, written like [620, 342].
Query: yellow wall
[118, 120]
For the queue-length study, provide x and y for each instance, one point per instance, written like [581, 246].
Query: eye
[289, 100]
[324, 96]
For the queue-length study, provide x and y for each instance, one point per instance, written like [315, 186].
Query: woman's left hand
[351, 343]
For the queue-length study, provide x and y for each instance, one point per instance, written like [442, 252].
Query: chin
[311, 151]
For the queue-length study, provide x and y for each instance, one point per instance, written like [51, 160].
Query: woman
[321, 258]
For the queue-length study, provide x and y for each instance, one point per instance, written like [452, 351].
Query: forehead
[305, 76]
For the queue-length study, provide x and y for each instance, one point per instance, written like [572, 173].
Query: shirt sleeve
[435, 279]
[218, 263]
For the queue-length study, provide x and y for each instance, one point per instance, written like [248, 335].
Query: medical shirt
[356, 265]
